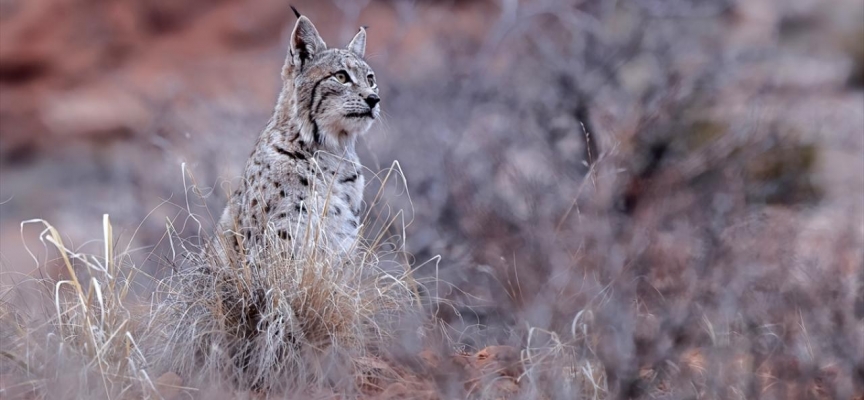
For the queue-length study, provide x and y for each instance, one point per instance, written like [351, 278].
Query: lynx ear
[358, 44]
[305, 41]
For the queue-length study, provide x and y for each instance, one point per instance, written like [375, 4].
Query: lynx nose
[372, 100]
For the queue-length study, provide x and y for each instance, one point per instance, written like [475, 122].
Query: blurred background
[672, 161]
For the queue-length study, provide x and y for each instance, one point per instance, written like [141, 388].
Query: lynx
[303, 182]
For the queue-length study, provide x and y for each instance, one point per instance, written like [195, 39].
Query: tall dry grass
[276, 325]
[278, 322]
[76, 337]
[271, 326]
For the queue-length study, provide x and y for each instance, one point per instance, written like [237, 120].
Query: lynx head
[333, 92]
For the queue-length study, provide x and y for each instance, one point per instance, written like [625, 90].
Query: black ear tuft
[296, 13]
[305, 41]
[366, 27]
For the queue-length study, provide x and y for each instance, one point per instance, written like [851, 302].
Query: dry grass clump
[277, 322]
[75, 337]
[564, 365]
[548, 365]
[284, 316]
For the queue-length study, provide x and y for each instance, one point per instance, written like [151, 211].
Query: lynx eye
[371, 79]
[342, 77]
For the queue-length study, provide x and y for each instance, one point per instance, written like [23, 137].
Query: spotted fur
[303, 182]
